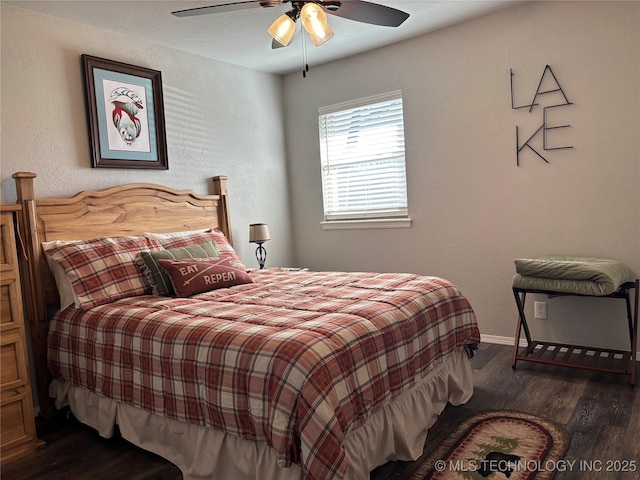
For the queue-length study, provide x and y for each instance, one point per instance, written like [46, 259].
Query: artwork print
[125, 113]
[125, 107]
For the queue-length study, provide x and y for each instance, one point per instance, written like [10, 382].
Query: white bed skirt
[397, 432]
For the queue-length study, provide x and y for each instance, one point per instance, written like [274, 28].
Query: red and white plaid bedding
[296, 359]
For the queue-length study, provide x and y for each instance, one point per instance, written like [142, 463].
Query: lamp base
[261, 255]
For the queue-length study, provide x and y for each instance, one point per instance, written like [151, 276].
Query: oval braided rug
[497, 445]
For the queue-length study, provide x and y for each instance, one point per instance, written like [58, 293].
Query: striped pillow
[160, 282]
[183, 239]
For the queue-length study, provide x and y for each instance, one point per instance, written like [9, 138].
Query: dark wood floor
[601, 412]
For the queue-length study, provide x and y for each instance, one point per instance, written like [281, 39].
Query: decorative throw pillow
[198, 275]
[184, 239]
[103, 270]
[158, 279]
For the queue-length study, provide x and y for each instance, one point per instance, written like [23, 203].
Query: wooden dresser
[17, 424]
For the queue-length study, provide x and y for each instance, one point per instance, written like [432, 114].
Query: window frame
[393, 218]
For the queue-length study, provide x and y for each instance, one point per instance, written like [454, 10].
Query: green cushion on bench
[581, 275]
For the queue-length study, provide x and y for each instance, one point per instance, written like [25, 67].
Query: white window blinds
[363, 162]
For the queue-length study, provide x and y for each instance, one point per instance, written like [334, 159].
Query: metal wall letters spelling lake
[548, 85]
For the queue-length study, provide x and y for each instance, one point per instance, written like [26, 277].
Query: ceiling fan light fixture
[314, 20]
[322, 37]
[283, 29]
[311, 11]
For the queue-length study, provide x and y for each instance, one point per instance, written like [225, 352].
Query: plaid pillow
[160, 282]
[198, 275]
[178, 239]
[65, 289]
[102, 270]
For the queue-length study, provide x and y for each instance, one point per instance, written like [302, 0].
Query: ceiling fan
[312, 14]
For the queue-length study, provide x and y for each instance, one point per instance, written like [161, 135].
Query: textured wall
[221, 120]
[473, 209]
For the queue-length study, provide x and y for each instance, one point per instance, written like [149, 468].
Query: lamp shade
[282, 29]
[322, 37]
[314, 20]
[259, 232]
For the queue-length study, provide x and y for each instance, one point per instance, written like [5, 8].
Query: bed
[267, 374]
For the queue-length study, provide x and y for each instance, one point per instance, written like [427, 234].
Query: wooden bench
[579, 356]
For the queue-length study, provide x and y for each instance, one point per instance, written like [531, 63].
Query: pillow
[198, 275]
[65, 289]
[185, 233]
[194, 237]
[102, 270]
[158, 279]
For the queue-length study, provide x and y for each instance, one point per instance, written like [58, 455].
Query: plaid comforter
[296, 359]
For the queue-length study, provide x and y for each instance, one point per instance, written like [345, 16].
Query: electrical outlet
[540, 310]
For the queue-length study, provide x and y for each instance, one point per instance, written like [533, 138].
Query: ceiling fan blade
[226, 7]
[276, 44]
[368, 12]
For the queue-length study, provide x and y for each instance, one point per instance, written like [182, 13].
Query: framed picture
[125, 113]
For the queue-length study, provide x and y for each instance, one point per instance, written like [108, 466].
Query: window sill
[366, 223]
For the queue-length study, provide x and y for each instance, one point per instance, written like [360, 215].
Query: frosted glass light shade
[282, 29]
[322, 37]
[314, 21]
[312, 16]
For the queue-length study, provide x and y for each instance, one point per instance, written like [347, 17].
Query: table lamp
[259, 233]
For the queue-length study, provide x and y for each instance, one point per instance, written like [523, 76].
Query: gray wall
[221, 120]
[474, 211]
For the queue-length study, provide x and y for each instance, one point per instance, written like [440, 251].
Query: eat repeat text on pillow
[198, 275]
[157, 277]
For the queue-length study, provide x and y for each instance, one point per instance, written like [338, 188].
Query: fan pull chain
[305, 66]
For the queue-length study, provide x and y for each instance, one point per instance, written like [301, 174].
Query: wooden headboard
[130, 209]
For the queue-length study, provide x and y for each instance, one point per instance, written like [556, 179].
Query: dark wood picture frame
[125, 114]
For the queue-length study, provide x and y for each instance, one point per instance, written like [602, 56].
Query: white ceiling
[241, 38]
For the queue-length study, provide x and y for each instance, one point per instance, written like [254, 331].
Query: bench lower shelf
[577, 356]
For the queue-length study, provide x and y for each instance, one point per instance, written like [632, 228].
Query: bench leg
[521, 324]
[633, 326]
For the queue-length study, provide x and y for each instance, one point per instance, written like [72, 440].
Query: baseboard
[495, 339]
[498, 340]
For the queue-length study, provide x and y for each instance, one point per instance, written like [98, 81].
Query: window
[364, 181]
